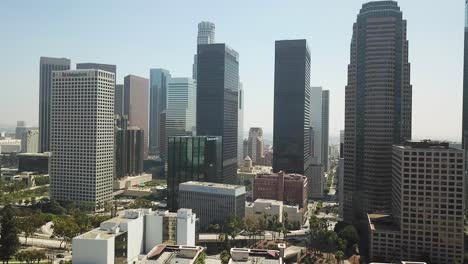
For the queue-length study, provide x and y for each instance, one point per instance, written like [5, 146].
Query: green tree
[349, 234]
[235, 226]
[225, 256]
[339, 255]
[201, 258]
[28, 226]
[30, 256]
[9, 242]
[65, 228]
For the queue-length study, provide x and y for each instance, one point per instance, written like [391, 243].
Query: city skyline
[328, 64]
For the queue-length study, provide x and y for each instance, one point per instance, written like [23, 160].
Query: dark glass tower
[217, 101]
[465, 99]
[325, 127]
[291, 126]
[159, 78]
[377, 107]
[129, 149]
[47, 65]
[192, 159]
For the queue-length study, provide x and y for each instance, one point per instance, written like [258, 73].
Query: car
[59, 256]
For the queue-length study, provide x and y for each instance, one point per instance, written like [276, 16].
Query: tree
[30, 256]
[65, 228]
[235, 226]
[339, 255]
[28, 225]
[349, 234]
[201, 258]
[9, 242]
[26, 202]
[225, 256]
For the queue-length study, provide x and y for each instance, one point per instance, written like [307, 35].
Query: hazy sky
[139, 35]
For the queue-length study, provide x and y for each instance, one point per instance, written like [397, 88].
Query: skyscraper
[47, 65]
[325, 127]
[377, 106]
[129, 150]
[206, 35]
[316, 117]
[291, 125]
[136, 96]
[255, 145]
[181, 107]
[217, 100]
[465, 85]
[118, 100]
[195, 158]
[159, 78]
[30, 141]
[82, 136]
[240, 127]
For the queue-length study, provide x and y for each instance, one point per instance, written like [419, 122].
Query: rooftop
[45, 154]
[254, 256]
[173, 254]
[213, 185]
[382, 223]
[424, 144]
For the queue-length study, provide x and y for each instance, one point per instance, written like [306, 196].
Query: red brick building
[289, 188]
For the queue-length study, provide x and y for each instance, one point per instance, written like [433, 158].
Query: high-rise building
[316, 124]
[118, 100]
[30, 141]
[240, 127]
[195, 158]
[206, 35]
[181, 107]
[159, 79]
[47, 65]
[217, 101]
[129, 150]
[20, 129]
[427, 206]
[465, 85]
[136, 96]
[291, 107]
[255, 145]
[325, 127]
[377, 106]
[82, 136]
[213, 203]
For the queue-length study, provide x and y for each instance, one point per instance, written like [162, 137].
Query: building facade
[159, 79]
[377, 106]
[316, 117]
[325, 128]
[136, 96]
[206, 35]
[255, 145]
[427, 205]
[217, 101]
[240, 127]
[213, 203]
[47, 65]
[291, 107]
[181, 109]
[82, 136]
[118, 100]
[30, 141]
[129, 149]
[192, 159]
[291, 189]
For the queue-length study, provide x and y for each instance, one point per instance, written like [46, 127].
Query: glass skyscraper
[159, 78]
[291, 126]
[197, 158]
[217, 101]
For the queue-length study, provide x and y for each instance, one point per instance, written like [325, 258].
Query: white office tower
[240, 127]
[30, 141]
[181, 107]
[82, 136]
[206, 35]
[186, 227]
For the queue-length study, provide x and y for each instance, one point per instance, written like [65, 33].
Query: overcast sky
[139, 35]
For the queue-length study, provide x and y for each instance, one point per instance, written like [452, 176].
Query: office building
[133, 233]
[10, 145]
[240, 126]
[465, 84]
[206, 35]
[316, 181]
[129, 149]
[181, 108]
[82, 136]
[192, 159]
[427, 214]
[136, 96]
[316, 117]
[291, 107]
[255, 145]
[325, 128]
[217, 101]
[36, 162]
[340, 172]
[377, 106]
[118, 100]
[213, 202]
[275, 209]
[30, 141]
[247, 255]
[159, 79]
[47, 65]
[162, 134]
[289, 188]
[20, 129]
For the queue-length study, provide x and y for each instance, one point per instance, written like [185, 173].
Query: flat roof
[214, 188]
[382, 223]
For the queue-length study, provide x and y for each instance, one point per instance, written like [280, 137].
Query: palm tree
[339, 256]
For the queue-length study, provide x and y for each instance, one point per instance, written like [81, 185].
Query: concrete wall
[90, 251]
[135, 238]
[153, 232]
[186, 229]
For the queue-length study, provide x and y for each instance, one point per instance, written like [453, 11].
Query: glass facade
[195, 158]
[217, 101]
[159, 79]
[291, 107]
